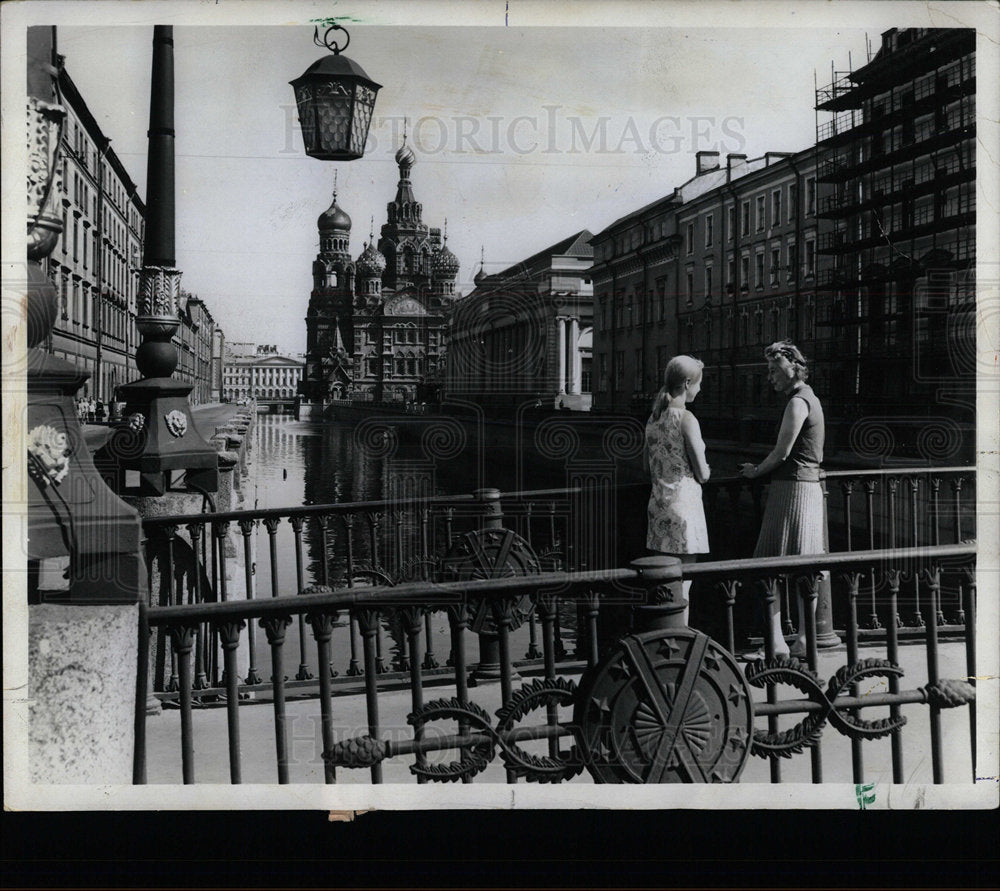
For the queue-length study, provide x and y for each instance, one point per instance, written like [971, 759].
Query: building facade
[94, 265]
[524, 335]
[719, 268]
[263, 374]
[375, 327]
[861, 249]
[898, 187]
[194, 340]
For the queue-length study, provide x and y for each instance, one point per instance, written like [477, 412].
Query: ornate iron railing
[392, 542]
[662, 703]
[351, 544]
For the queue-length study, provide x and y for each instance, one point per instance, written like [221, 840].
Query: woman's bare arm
[695, 447]
[792, 420]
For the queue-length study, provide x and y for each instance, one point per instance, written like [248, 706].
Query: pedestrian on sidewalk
[794, 519]
[674, 457]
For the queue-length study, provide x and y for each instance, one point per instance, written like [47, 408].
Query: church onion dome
[334, 219]
[479, 276]
[371, 262]
[445, 263]
[405, 156]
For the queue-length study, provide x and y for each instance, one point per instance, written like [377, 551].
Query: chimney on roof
[733, 163]
[770, 157]
[706, 161]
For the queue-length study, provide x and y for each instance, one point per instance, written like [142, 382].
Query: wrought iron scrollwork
[477, 757]
[538, 768]
[789, 670]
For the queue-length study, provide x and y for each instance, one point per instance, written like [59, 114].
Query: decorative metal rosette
[665, 707]
[492, 554]
[137, 421]
[177, 422]
[48, 455]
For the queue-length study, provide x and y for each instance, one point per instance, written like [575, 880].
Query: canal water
[334, 462]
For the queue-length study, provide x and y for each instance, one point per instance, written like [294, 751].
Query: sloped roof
[576, 245]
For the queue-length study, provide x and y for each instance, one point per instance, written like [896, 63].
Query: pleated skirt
[794, 520]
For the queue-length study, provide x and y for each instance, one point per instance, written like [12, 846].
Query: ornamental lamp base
[157, 437]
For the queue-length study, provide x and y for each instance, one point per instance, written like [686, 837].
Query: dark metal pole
[158, 249]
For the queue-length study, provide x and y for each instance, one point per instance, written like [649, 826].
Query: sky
[523, 135]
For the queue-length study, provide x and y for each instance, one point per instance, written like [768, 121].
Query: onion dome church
[376, 326]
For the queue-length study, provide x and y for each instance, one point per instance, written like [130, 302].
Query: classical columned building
[524, 334]
[265, 374]
[376, 326]
[94, 265]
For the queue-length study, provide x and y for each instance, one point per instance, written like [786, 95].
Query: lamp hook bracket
[332, 45]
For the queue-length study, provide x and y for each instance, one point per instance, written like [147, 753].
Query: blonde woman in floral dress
[675, 460]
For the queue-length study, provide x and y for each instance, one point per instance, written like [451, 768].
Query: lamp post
[158, 436]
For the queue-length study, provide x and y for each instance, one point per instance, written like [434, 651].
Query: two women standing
[794, 519]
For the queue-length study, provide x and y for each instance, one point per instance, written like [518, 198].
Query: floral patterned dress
[676, 514]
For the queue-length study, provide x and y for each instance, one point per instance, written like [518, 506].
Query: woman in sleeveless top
[675, 459]
[794, 518]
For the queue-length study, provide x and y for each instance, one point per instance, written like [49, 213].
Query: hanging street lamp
[335, 99]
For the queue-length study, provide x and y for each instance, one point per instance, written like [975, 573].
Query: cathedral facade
[376, 325]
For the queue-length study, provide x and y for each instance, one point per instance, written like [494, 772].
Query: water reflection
[300, 462]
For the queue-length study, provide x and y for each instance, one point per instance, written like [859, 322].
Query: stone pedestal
[81, 688]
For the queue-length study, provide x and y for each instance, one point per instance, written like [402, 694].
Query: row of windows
[757, 327]
[772, 268]
[400, 367]
[766, 214]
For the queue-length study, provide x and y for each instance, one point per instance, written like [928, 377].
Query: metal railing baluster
[853, 585]
[369, 621]
[324, 561]
[182, 642]
[246, 528]
[873, 620]
[322, 623]
[458, 621]
[810, 596]
[195, 596]
[918, 619]
[412, 620]
[847, 487]
[892, 654]
[430, 660]
[303, 673]
[592, 606]
[546, 606]
[275, 627]
[968, 596]
[956, 488]
[173, 598]
[141, 684]
[559, 647]
[502, 609]
[933, 576]
[770, 599]
[229, 633]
